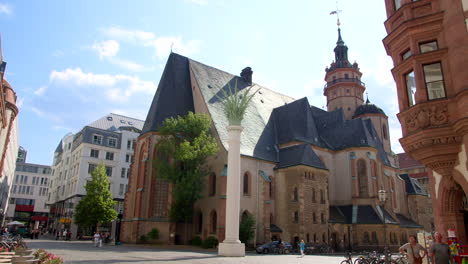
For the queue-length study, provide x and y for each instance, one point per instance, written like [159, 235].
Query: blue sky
[72, 62]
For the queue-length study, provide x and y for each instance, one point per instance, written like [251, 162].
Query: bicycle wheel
[345, 262]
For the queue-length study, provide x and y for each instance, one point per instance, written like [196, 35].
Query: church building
[306, 173]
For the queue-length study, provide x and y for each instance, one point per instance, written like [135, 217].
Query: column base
[231, 249]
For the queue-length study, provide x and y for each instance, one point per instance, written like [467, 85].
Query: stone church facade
[306, 173]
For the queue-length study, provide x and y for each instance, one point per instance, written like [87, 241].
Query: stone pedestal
[231, 246]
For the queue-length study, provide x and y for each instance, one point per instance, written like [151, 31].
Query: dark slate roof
[270, 119]
[406, 222]
[274, 228]
[174, 94]
[301, 154]
[388, 218]
[367, 215]
[368, 108]
[412, 185]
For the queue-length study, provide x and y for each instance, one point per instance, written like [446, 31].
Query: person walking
[301, 248]
[413, 249]
[439, 251]
[97, 239]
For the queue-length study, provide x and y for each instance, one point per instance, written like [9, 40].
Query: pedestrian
[301, 248]
[57, 235]
[413, 249]
[97, 238]
[64, 235]
[439, 251]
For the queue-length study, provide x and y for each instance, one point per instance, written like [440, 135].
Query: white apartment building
[29, 194]
[109, 140]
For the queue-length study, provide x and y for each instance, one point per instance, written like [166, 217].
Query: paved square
[74, 252]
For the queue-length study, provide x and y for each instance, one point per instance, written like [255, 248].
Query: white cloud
[129, 65]
[198, 2]
[40, 91]
[5, 9]
[162, 45]
[117, 87]
[108, 48]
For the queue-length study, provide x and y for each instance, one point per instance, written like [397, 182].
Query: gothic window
[295, 198]
[212, 184]
[214, 219]
[270, 187]
[410, 88]
[246, 185]
[362, 178]
[434, 81]
[384, 131]
[296, 217]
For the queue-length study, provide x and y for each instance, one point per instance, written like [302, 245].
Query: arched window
[313, 195]
[384, 131]
[214, 220]
[295, 198]
[212, 184]
[199, 222]
[296, 217]
[270, 187]
[246, 184]
[366, 238]
[362, 178]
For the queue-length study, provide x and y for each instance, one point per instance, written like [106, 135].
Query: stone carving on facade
[427, 142]
[430, 116]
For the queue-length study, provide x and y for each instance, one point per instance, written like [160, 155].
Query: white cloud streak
[5, 9]
[40, 91]
[108, 48]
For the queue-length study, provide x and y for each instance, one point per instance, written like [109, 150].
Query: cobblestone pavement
[75, 252]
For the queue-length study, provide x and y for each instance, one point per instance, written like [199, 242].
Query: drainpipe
[256, 215]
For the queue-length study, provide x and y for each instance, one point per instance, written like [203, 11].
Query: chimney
[246, 74]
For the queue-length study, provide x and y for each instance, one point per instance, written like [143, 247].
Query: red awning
[39, 218]
[24, 208]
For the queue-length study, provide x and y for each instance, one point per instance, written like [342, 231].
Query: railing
[343, 80]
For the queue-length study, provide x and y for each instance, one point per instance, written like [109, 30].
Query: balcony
[344, 80]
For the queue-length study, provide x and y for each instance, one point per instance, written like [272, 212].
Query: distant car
[275, 247]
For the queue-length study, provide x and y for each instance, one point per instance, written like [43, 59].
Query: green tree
[97, 206]
[246, 228]
[183, 147]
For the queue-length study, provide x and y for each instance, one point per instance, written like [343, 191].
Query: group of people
[439, 252]
[99, 238]
[63, 235]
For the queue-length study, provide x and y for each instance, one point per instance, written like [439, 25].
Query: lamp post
[383, 200]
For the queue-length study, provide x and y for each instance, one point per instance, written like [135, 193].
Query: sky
[73, 62]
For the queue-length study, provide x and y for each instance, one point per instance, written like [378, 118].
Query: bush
[246, 228]
[143, 238]
[196, 241]
[153, 234]
[210, 242]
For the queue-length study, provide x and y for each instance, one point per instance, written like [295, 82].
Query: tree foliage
[236, 102]
[246, 228]
[182, 150]
[97, 206]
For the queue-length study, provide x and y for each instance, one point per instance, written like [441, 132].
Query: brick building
[428, 43]
[306, 173]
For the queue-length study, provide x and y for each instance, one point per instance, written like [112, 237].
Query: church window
[246, 184]
[410, 88]
[212, 184]
[295, 195]
[199, 222]
[434, 81]
[270, 189]
[384, 131]
[214, 219]
[362, 178]
[406, 54]
[296, 217]
[428, 46]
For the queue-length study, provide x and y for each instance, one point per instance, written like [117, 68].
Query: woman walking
[412, 249]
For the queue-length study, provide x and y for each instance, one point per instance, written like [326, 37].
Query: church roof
[299, 155]
[412, 185]
[271, 119]
[368, 108]
[406, 222]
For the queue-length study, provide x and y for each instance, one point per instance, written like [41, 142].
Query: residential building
[8, 138]
[428, 43]
[29, 194]
[306, 173]
[109, 140]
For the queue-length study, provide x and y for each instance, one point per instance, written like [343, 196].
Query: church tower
[344, 88]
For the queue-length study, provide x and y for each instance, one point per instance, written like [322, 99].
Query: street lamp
[383, 199]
